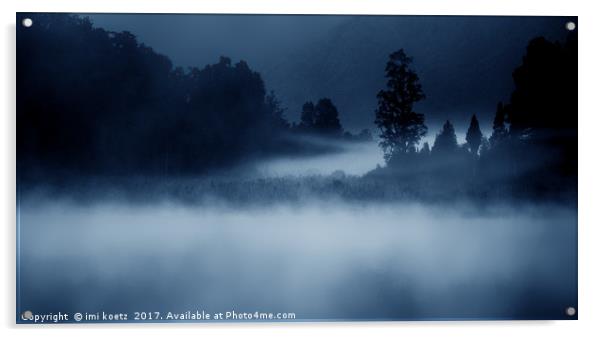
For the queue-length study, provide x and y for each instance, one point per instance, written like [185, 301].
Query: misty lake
[233, 164]
[327, 261]
[320, 259]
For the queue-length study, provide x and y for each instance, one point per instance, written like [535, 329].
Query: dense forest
[96, 103]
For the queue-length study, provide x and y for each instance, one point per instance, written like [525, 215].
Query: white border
[426, 7]
[590, 124]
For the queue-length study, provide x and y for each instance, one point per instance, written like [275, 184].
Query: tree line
[92, 101]
[534, 137]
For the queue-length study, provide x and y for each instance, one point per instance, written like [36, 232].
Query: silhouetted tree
[276, 111]
[327, 117]
[543, 107]
[446, 141]
[308, 116]
[500, 132]
[400, 126]
[474, 135]
[545, 95]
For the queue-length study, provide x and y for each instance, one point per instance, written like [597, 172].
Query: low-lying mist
[355, 158]
[327, 260]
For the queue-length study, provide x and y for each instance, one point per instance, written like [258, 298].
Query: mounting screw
[570, 25]
[570, 311]
[27, 22]
[26, 315]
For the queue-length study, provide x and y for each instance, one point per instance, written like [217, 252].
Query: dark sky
[196, 40]
[465, 63]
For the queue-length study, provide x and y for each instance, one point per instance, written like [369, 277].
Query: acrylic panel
[277, 168]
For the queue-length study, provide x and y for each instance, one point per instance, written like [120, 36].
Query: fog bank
[321, 261]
